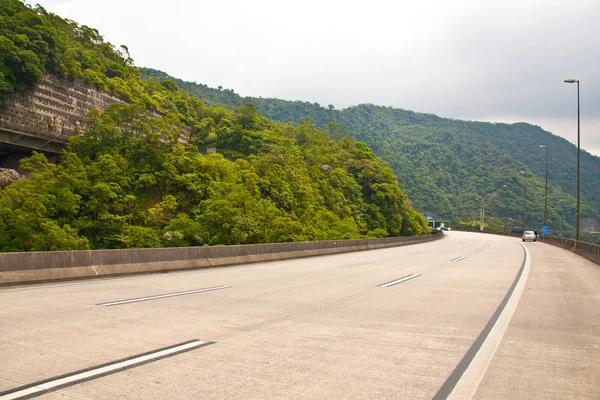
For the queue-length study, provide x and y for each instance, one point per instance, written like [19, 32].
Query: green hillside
[131, 180]
[450, 167]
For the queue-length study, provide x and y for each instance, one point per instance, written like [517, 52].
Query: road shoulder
[551, 349]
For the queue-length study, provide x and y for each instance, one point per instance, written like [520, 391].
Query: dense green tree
[128, 182]
[36, 211]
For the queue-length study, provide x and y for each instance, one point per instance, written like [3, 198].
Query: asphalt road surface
[469, 316]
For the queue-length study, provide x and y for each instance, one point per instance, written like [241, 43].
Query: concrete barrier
[588, 250]
[38, 267]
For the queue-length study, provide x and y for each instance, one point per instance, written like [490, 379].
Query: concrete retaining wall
[36, 267]
[588, 250]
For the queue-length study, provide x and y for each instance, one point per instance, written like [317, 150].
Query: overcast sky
[480, 60]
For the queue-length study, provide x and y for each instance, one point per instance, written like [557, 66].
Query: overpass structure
[43, 118]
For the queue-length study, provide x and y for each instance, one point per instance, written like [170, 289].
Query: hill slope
[132, 180]
[450, 167]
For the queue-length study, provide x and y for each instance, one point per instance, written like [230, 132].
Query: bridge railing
[588, 250]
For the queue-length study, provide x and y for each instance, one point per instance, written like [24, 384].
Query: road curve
[390, 323]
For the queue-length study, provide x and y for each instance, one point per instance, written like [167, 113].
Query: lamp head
[571, 80]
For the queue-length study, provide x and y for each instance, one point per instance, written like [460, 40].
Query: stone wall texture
[55, 109]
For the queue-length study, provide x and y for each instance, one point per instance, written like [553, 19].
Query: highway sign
[544, 229]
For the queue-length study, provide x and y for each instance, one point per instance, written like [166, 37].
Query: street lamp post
[546, 196]
[524, 199]
[484, 202]
[482, 210]
[578, 152]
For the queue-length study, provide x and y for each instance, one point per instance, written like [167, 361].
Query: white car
[529, 235]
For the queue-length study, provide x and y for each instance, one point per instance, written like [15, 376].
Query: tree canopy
[127, 181]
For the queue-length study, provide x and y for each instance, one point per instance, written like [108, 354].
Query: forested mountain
[449, 167]
[131, 180]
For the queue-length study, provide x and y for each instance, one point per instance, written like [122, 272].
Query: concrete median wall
[37, 267]
[588, 250]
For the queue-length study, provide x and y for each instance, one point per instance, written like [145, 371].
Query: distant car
[529, 235]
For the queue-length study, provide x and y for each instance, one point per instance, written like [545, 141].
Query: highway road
[468, 316]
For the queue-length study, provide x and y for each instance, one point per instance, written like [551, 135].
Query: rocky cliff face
[54, 110]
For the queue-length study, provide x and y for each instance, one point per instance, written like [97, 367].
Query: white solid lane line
[397, 281]
[467, 386]
[101, 371]
[160, 296]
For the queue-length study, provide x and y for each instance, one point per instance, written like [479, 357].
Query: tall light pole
[483, 204]
[578, 152]
[546, 197]
[524, 199]
[482, 210]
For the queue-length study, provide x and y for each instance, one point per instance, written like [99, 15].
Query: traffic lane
[53, 303]
[136, 318]
[52, 330]
[43, 302]
[551, 349]
[327, 353]
[417, 331]
[417, 382]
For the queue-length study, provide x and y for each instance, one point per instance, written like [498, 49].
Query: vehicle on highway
[529, 235]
